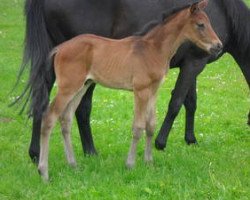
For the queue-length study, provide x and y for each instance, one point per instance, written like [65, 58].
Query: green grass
[219, 168]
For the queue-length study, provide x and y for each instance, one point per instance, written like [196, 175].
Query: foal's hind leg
[54, 111]
[150, 127]
[66, 122]
[139, 124]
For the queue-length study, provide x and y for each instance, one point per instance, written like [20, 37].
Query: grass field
[218, 168]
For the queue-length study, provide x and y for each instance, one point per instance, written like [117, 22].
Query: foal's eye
[200, 26]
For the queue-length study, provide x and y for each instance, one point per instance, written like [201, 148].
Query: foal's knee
[151, 124]
[150, 128]
[137, 132]
[65, 122]
[48, 122]
[45, 127]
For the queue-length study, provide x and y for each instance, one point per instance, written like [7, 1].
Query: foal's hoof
[73, 164]
[149, 162]
[44, 174]
[160, 145]
[130, 164]
[148, 158]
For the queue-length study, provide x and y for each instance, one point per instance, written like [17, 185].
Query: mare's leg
[244, 66]
[248, 122]
[188, 72]
[49, 119]
[150, 128]
[190, 105]
[139, 123]
[83, 120]
[66, 122]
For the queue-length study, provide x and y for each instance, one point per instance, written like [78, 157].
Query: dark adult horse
[50, 22]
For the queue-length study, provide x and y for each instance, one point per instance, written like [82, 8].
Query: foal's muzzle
[216, 49]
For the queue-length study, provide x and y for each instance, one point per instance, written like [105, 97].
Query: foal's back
[112, 63]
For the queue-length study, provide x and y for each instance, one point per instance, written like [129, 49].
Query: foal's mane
[165, 16]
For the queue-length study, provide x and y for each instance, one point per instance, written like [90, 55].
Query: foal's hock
[136, 63]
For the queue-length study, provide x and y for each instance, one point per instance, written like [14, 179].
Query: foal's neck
[168, 37]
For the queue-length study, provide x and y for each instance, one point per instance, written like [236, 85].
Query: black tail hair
[37, 47]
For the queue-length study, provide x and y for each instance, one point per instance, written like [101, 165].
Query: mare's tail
[37, 46]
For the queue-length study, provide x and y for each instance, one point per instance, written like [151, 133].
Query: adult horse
[50, 22]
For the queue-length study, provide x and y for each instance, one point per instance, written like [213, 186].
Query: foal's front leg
[150, 128]
[139, 124]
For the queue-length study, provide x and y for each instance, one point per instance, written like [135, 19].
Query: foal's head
[199, 30]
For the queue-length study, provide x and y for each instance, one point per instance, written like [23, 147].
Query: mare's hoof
[191, 140]
[160, 145]
[90, 152]
[248, 122]
[34, 156]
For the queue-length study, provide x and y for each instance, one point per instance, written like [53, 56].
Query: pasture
[217, 168]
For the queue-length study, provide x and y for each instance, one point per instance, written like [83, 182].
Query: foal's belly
[114, 81]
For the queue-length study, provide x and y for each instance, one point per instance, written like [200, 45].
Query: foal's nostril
[219, 46]
[216, 49]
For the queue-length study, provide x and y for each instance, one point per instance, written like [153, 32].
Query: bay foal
[137, 63]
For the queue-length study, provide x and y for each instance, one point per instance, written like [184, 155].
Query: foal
[137, 63]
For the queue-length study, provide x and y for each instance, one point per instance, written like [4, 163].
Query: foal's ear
[194, 8]
[203, 4]
[198, 6]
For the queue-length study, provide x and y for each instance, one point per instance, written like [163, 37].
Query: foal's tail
[37, 46]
